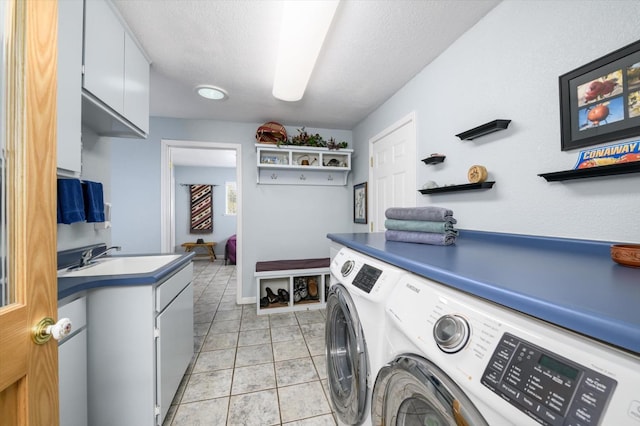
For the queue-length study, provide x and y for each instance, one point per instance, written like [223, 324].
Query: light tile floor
[250, 369]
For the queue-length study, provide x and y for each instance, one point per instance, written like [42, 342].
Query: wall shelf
[485, 129]
[434, 159]
[300, 165]
[610, 170]
[456, 188]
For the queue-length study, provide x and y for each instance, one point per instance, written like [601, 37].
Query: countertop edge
[68, 286]
[605, 329]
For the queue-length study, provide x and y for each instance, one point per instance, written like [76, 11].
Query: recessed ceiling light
[211, 92]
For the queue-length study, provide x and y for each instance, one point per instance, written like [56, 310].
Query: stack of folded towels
[423, 225]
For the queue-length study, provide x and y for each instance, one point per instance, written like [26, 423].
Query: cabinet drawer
[76, 311]
[168, 290]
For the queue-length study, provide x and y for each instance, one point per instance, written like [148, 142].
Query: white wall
[279, 221]
[507, 67]
[223, 225]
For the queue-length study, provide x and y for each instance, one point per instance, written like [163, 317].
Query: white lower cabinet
[140, 347]
[72, 365]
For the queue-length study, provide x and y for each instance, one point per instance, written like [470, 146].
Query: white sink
[121, 266]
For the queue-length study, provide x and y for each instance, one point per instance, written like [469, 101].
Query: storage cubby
[301, 165]
[291, 280]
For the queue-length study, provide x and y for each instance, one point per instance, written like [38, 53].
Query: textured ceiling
[373, 48]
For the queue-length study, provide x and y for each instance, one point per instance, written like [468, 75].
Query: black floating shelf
[485, 129]
[434, 159]
[456, 188]
[611, 169]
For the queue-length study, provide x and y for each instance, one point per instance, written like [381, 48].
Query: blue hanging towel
[70, 201]
[93, 201]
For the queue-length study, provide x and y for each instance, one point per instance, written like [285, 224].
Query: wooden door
[393, 170]
[28, 372]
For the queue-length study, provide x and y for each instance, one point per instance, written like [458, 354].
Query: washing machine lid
[412, 390]
[347, 357]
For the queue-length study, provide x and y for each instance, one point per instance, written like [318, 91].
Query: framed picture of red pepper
[600, 101]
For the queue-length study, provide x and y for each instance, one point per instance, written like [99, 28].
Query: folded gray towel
[444, 239]
[436, 214]
[419, 226]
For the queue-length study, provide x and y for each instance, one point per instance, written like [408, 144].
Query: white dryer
[454, 359]
[360, 287]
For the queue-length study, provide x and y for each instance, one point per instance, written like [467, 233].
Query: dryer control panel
[546, 386]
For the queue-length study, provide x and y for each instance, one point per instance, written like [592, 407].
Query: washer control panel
[366, 278]
[551, 389]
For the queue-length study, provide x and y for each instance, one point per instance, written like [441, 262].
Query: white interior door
[393, 170]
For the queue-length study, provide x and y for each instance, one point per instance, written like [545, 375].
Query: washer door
[347, 359]
[413, 391]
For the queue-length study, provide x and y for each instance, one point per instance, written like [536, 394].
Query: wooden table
[208, 246]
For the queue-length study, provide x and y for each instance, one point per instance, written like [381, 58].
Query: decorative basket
[271, 133]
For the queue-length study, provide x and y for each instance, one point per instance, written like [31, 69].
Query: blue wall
[223, 225]
[278, 222]
[507, 66]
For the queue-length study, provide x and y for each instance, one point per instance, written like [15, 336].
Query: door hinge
[371, 229]
[82, 69]
[156, 414]
[156, 333]
[371, 161]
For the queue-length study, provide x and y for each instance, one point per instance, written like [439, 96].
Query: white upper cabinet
[69, 87]
[116, 76]
[136, 85]
[104, 54]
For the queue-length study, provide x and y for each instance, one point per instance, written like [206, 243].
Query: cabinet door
[72, 365]
[104, 54]
[70, 14]
[136, 85]
[174, 347]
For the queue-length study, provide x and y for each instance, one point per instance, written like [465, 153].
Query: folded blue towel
[436, 214]
[439, 239]
[93, 201]
[419, 226]
[70, 201]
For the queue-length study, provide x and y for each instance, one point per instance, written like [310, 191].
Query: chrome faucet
[87, 256]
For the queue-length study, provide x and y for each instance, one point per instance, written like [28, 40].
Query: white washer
[457, 359]
[360, 287]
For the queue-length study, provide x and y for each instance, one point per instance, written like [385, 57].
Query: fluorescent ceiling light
[211, 92]
[304, 27]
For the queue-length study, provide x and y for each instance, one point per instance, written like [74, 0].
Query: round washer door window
[347, 362]
[413, 391]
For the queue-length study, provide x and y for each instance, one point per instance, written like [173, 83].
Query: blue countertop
[68, 286]
[571, 283]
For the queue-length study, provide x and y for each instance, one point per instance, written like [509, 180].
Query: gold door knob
[47, 328]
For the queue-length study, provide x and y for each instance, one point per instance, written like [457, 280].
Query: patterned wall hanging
[201, 209]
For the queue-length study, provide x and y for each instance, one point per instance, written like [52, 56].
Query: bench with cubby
[291, 285]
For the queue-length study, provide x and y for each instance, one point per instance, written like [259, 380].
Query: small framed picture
[360, 203]
[600, 101]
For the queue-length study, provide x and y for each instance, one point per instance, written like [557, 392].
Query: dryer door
[413, 391]
[347, 360]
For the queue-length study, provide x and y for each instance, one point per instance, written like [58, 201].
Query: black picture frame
[600, 101]
[360, 203]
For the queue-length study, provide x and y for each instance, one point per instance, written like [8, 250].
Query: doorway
[169, 149]
[393, 169]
